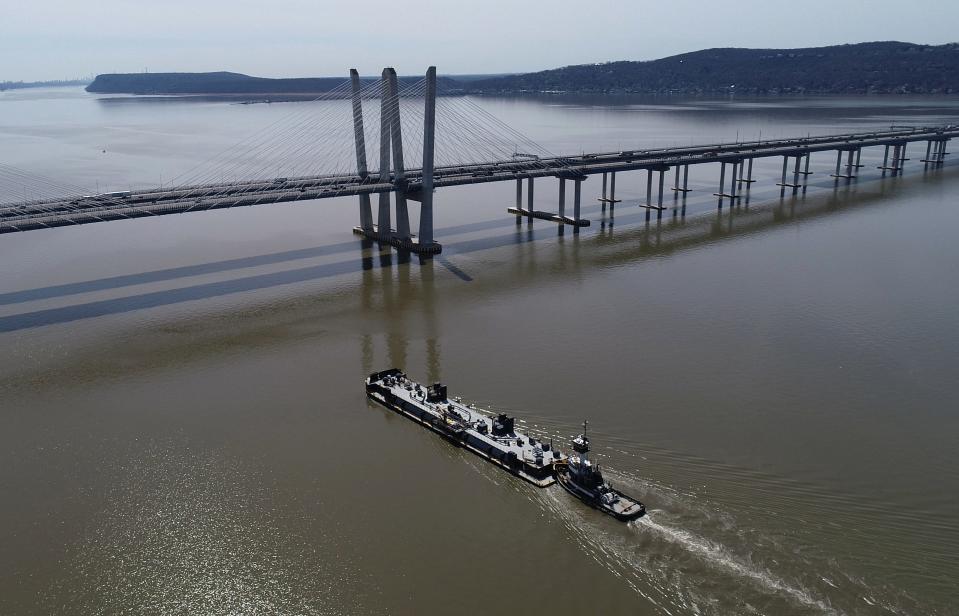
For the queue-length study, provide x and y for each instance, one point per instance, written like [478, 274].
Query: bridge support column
[796, 175]
[782, 183]
[937, 150]
[577, 194]
[612, 190]
[649, 191]
[733, 184]
[562, 197]
[426, 243]
[850, 165]
[560, 217]
[366, 209]
[722, 183]
[519, 197]
[399, 175]
[902, 158]
[529, 199]
[926, 160]
[659, 201]
[384, 226]
[806, 172]
[603, 199]
[885, 161]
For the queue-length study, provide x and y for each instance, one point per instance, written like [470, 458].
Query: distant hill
[207, 83]
[882, 67]
[222, 83]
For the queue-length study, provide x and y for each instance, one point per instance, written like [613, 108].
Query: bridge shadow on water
[612, 240]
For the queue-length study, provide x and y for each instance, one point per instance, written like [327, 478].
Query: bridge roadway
[33, 215]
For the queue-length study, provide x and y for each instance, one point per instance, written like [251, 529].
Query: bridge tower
[391, 147]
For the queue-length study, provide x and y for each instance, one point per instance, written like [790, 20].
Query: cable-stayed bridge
[449, 141]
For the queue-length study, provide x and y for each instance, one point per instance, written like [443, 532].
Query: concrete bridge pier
[722, 183]
[391, 147]
[426, 244]
[925, 160]
[561, 206]
[383, 223]
[560, 217]
[896, 160]
[732, 195]
[649, 192]
[746, 165]
[529, 199]
[850, 166]
[938, 152]
[795, 184]
[577, 195]
[366, 209]
[519, 198]
[685, 188]
[611, 199]
[941, 152]
[733, 184]
[659, 201]
[602, 199]
[399, 170]
[782, 183]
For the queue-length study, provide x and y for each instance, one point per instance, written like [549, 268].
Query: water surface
[186, 428]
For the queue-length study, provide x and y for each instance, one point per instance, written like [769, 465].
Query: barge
[493, 438]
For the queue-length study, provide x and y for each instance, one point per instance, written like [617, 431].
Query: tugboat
[583, 479]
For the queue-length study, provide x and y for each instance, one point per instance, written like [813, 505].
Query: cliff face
[883, 67]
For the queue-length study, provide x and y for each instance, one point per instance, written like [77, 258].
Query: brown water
[185, 428]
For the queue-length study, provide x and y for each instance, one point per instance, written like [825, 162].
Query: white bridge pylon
[391, 148]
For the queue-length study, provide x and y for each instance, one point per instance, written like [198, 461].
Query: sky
[56, 39]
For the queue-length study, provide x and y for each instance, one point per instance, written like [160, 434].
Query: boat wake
[676, 569]
[716, 555]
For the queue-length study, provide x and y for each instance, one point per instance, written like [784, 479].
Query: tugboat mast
[585, 439]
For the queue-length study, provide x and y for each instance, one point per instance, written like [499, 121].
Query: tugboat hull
[625, 509]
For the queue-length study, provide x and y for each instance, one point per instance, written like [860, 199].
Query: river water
[185, 428]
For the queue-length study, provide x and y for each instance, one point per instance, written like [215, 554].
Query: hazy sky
[50, 39]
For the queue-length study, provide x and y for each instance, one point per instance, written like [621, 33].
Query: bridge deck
[32, 215]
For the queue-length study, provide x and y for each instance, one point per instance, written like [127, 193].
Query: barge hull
[539, 476]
